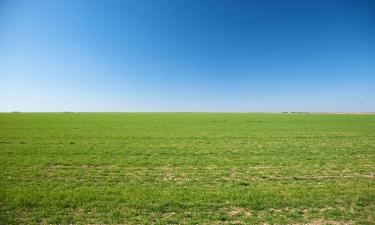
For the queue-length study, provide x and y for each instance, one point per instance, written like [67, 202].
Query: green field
[187, 168]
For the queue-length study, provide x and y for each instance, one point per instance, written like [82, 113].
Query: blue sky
[186, 55]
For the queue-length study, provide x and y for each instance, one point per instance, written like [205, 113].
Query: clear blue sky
[186, 55]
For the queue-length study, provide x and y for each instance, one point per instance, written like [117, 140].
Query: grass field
[187, 168]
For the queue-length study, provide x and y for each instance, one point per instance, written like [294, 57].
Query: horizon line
[275, 112]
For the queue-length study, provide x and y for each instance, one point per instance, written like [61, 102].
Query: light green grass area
[187, 168]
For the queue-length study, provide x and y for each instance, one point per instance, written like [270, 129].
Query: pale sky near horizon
[187, 55]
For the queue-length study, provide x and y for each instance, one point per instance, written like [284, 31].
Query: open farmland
[187, 168]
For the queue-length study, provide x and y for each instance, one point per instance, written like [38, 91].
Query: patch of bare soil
[325, 222]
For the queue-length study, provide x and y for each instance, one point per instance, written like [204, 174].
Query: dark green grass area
[187, 168]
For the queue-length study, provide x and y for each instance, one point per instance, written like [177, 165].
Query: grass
[187, 168]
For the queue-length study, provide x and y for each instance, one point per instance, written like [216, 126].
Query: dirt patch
[239, 211]
[325, 222]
